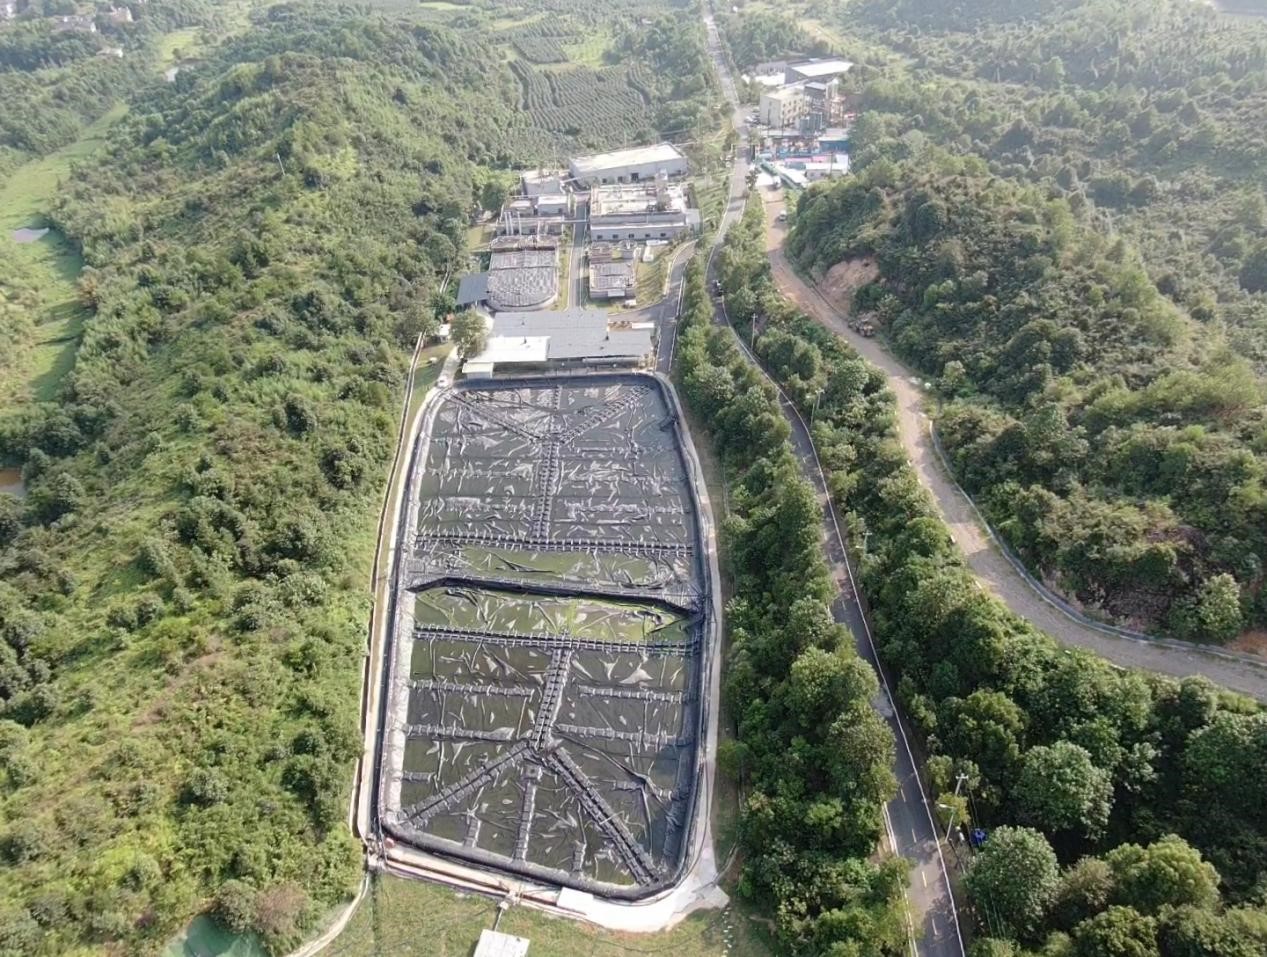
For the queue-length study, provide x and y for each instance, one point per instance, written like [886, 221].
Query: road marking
[936, 929]
[923, 877]
[888, 828]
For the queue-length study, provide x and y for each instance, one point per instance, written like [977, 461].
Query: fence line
[1060, 604]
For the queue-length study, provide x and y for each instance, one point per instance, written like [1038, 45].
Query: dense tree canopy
[1082, 278]
[1100, 763]
[811, 754]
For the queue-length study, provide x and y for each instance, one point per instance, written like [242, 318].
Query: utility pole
[814, 411]
[959, 779]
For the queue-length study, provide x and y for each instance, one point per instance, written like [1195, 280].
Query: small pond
[29, 234]
[11, 482]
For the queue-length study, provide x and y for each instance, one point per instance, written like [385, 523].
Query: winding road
[1176, 659]
[908, 819]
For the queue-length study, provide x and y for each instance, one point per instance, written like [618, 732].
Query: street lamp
[959, 779]
[814, 411]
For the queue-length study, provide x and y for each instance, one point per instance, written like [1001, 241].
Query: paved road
[576, 261]
[983, 556]
[667, 312]
[908, 819]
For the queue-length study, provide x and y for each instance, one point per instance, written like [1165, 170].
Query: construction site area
[550, 659]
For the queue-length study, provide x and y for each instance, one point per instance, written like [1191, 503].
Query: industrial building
[541, 182]
[640, 211]
[522, 279]
[542, 215]
[809, 99]
[528, 279]
[828, 167]
[782, 108]
[808, 106]
[614, 279]
[612, 252]
[629, 166]
[528, 341]
[816, 69]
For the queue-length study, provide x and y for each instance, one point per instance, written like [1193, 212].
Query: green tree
[1014, 879]
[10, 519]
[1253, 274]
[1218, 609]
[469, 332]
[1196, 932]
[1117, 932]
[1061, 789]
[234, 906]
[493, 194]
[1084, 891]
[1168, 872]
[57, 495]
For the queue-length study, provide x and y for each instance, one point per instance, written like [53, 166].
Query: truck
[863, 327]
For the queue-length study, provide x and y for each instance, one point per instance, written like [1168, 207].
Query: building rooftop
[637, 156]
[522, 259]
[631, 198]
[766, 79]
[812, 68]
[784, 93]
[575, 333]
[472, 288]
[615, 276]
[523, 278]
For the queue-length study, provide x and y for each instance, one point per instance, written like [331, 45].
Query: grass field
[416, 919]
[652, 276]
[590, 50]
[178, 45]
[49, 266]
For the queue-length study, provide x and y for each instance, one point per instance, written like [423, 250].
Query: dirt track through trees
[989, 565]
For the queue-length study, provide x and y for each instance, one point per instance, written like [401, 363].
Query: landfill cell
[544, 691]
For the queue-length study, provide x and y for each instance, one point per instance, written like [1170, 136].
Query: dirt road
[983, 557]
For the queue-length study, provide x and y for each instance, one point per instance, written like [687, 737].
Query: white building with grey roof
[637, 212]
[629, 166]
[527, 341]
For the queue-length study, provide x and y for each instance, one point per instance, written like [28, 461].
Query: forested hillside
[183, 592]
[53, 84]
[1085, 288]
[1123, 809]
